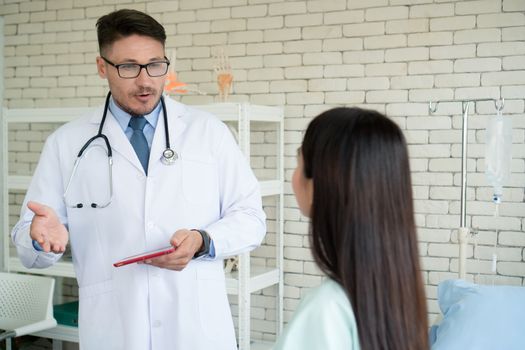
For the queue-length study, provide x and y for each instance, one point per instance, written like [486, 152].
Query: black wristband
[205, 250]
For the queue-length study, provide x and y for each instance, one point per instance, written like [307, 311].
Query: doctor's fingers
[50, 246]
[58, 248]
[169, 262]
[46, 246]
[40, 209]
[179, 237]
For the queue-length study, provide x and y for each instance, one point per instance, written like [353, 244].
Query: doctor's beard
[141, 92]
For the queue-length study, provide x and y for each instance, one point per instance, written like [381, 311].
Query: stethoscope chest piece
[169, 156]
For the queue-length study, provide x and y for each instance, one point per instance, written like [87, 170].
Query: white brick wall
[389, 55]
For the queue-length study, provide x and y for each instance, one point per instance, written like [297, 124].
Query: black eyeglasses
[132, 70]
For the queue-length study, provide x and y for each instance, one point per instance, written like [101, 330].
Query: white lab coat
[209, 187]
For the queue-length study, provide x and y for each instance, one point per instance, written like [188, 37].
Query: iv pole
[463, 231]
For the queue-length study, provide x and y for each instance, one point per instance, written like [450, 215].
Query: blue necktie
[139, 142]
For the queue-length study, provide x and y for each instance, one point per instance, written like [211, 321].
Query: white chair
[26, 304]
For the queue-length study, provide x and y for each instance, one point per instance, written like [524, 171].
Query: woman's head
[356, 177]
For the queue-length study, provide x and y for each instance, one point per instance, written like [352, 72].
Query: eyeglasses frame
[141, 66]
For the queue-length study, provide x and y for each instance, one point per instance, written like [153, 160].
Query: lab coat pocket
[199, 180]
[99, 317]
[214, 309]
[84, 238]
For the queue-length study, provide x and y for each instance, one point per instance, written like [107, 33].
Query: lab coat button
[151, 225]
[140, 177]
[157, 323]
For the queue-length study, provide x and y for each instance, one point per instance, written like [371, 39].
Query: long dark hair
[123, 23]
[363, 231]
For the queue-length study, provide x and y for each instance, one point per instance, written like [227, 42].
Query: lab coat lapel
[118, 140]
[176, 128]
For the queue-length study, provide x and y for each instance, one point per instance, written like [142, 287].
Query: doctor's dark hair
[363, 232]
[123, 23]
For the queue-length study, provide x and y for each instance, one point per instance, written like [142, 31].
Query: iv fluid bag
[498, 153]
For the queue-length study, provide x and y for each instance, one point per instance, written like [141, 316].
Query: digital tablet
[144, 256]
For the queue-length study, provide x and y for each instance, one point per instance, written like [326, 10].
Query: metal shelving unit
[249, 278]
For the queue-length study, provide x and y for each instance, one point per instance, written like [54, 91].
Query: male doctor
[206, 204]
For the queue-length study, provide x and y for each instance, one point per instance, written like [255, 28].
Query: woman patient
[353, 181]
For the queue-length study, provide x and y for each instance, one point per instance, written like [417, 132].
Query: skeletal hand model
[224, 75]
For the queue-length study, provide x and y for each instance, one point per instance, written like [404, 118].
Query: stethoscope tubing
[168, 155]
[73, 172]
[104, 137]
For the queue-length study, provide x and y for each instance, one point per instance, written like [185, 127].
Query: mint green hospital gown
[324, 320]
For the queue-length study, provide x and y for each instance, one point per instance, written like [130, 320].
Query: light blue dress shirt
[123, 118]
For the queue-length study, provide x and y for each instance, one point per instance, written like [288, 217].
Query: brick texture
[393, 56]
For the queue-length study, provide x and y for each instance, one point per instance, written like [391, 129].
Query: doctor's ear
[101, 67]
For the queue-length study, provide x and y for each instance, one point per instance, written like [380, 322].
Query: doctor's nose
[143, 79]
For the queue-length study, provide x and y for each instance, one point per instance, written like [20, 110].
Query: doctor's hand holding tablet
[184, 245]
[50, 235]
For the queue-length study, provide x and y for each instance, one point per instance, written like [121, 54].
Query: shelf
[270, 187]
[260, 277]
[60, 332]
[70, 334]
[21, 182]
[59, 269]
[261, 345]
[18, 182]
[224, 111]
[230, 112]
[45, 115]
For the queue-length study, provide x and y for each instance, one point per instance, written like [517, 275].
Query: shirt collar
[123, 117]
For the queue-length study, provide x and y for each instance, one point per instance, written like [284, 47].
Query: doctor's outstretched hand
[47, 229]
[187, 243]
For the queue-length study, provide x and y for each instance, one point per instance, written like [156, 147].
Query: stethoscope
[169, 156]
